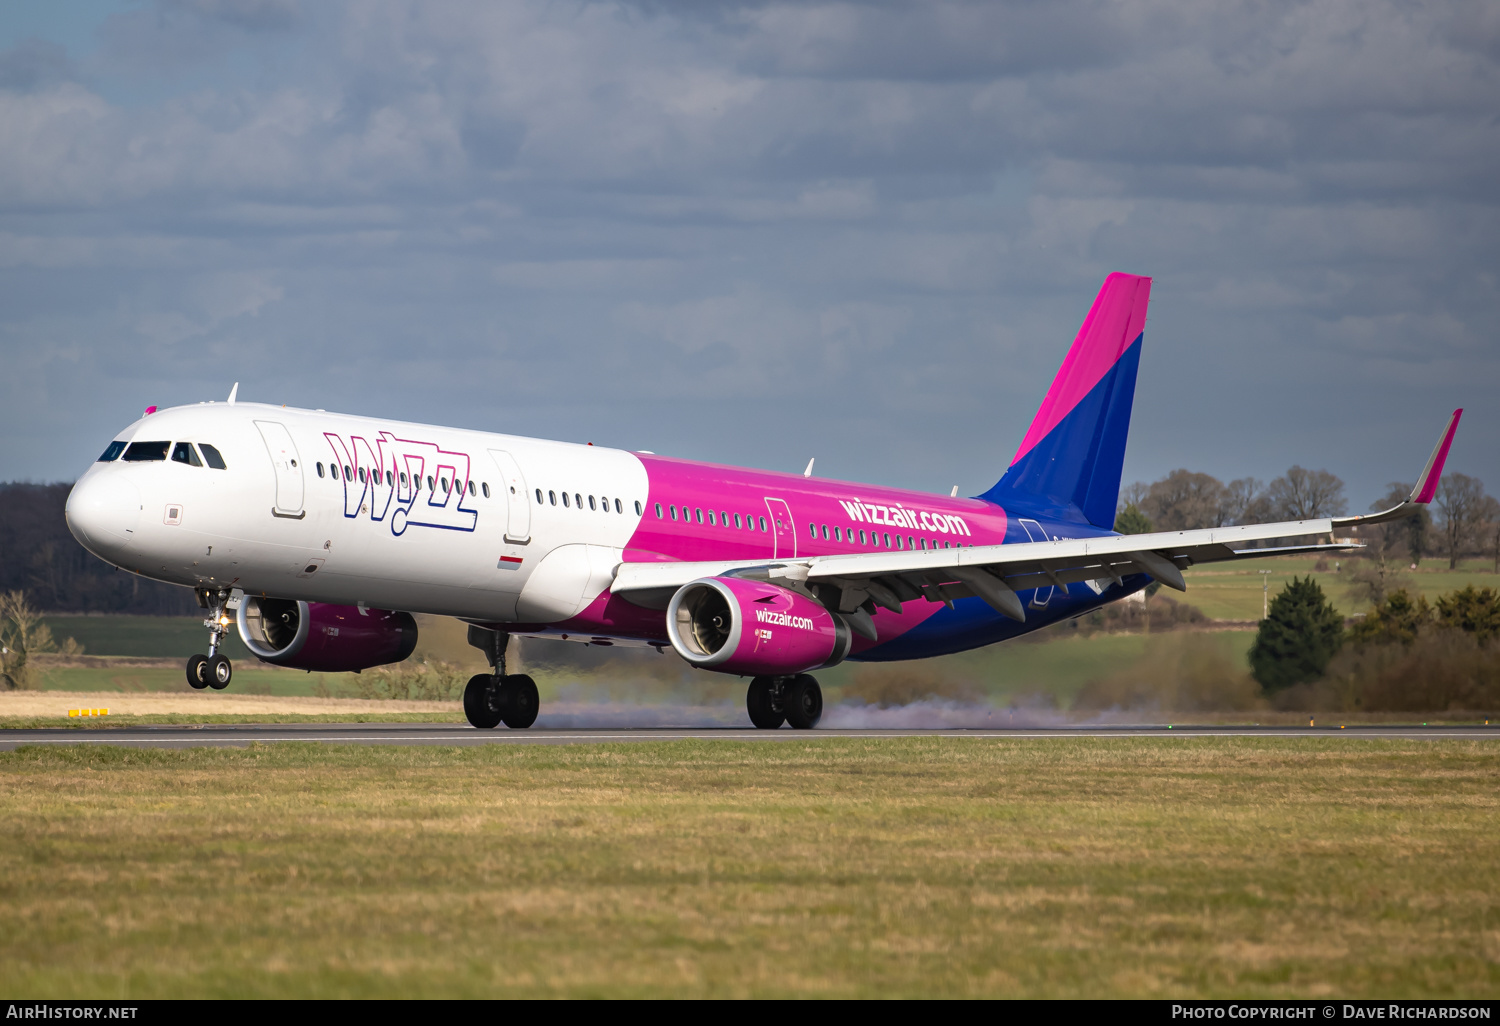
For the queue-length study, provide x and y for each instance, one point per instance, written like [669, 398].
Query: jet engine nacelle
[319, 636]
[753, 628]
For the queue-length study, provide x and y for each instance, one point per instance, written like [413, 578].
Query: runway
[241, 734]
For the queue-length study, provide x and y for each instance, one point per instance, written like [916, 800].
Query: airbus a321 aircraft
[320, 534]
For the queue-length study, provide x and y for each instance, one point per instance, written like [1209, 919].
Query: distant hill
[40, 557]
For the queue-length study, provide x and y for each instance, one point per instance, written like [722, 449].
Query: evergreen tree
[1298, 638]
[1132, 521]
[1398, 619]
[1474, 610]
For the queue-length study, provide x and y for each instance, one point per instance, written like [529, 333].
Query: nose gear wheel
[212, 670]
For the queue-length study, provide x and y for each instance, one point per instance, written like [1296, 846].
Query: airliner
[317, 535]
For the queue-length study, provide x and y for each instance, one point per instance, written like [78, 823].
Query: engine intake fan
[753, 628]
[319, 636]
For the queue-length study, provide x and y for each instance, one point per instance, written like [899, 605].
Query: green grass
[894, 867]
[249, 679]
[163, 637]
[1232, 591]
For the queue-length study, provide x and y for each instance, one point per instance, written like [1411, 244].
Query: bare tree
[1243, 501]
[1489, 520]
[1133, 495]
[1460, 498]
[1412, 531]
[1183, 501]
[22, 634]
[1307, 495]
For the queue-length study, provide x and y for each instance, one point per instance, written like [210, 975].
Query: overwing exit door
[784, 536]
[283, 453]
[1034, 532]
[518, 499]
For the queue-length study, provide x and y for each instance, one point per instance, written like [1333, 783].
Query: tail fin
[1070, 460]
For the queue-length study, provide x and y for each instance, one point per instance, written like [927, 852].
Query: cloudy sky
[758, 232]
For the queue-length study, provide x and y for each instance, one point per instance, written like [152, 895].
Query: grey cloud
[865, 230]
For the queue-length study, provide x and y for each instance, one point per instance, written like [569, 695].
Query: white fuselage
[426, 519]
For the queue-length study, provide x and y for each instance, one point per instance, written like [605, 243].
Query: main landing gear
[212, 670]
[499, 697]
[796, 700]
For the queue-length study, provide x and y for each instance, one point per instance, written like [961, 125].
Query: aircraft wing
[995, 573]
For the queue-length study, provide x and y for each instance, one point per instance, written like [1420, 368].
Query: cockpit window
[146, 452]
[183, 452]
[211, 456]
[113, 452]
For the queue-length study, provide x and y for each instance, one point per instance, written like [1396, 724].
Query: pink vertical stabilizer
[1117, 319]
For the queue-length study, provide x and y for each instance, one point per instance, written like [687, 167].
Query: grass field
[1047, 672]
[1232, 591]
[898, 867]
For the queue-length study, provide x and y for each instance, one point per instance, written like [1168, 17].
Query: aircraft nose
[103, 511]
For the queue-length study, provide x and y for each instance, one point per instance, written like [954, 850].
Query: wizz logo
[416, 483]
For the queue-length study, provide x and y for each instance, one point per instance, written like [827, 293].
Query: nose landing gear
[798, 701]
[212, 670]
[499, 697]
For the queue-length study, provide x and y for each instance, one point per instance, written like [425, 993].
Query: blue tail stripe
[1073, 473]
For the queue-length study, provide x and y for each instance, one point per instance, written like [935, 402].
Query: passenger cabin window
[658, 509]
[183, 452]
[762, 523]
[565, 499]
[592, 503]
[674, 512]
[639, 510]
[113, 452]
[211, 456]
[320, 469]
[710, 518]
[146, 452]
[737, 522]
[578, 500]
[471, 488]
[621, 509]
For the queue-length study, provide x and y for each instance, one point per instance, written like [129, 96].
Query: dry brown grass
[930, 866]
[33, 705]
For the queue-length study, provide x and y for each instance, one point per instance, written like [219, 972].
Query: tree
[1132, 521]
[1488, 527]
[1378, 576]
[1134, 494]
[1461, 500]
[1243, 501]
[1412, 531]
[22, 635]
[1307, 495]
[1476, 611]
[1398, 619]
[1183, 501]
[1298, 637]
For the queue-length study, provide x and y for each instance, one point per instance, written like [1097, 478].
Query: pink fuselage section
[780, 516]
